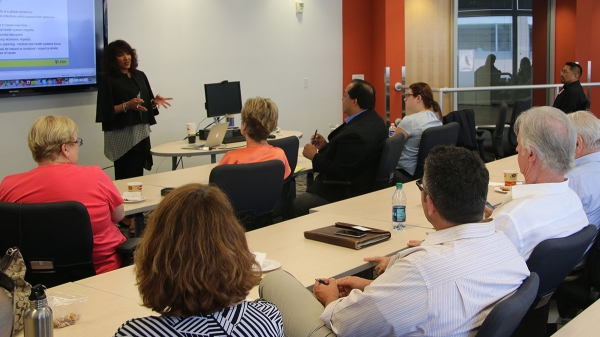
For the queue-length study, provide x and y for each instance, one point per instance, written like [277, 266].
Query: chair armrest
[128, 247]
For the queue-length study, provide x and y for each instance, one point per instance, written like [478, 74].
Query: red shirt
[86, 184]
[256, 154]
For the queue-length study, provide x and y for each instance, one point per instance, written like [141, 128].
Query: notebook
[330, 234]
[214, 139]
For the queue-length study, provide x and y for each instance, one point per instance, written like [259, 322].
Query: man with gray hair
[584, 179]
[544, 207]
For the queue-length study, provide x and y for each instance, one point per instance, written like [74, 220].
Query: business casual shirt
[571, 98]
[445, 287]
[533, 213]
[414, 125]
[584, 179]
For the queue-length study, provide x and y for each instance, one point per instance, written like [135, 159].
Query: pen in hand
[314, 137]
[322, 281]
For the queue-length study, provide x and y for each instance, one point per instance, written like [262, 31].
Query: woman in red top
[55, 148]
[259, 119]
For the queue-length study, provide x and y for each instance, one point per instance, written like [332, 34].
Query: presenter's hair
[260, 116]
[109, 58]
[575, 68]
[457, 181]
[587, 127]
[48, 134]
[424, 90]
[193, 258]
[363, 92]
[550, 132]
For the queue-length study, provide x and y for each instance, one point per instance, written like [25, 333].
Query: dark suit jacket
[571, 98]
[466, 120]
[352, 154]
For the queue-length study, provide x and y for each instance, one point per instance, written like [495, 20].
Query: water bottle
[37, 320]
[392, 128]
[230, 120]
[398, 208]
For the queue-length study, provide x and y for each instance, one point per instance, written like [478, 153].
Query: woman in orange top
[259, 119]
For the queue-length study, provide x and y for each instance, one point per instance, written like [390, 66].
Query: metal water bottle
[38, 318]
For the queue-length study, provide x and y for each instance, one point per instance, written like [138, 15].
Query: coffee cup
[191, 132]
[134, 187]
[510, 177]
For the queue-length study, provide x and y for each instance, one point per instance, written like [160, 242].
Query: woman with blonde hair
[426, 113]
[259, 119]
[194, 268]
[54, 144]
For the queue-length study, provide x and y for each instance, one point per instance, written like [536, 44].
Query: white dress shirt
[533, 213]
[584, 179]
[445, 287]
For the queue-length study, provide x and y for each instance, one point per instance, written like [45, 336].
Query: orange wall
[539, 43]
[373, 38]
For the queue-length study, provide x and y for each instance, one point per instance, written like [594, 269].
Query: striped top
[258, 318]
[445, 287]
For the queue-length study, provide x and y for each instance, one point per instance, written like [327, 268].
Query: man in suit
[571, 97]
[351, 155]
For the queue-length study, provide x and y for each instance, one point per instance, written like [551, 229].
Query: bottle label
[398, 213]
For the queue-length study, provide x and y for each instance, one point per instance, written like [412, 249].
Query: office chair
[290, 146]
[519, 107]
[497, 132]
[466, 120]
[552, 260]
[55, 240]
[392, 149]
[252, 189]
[507, 314]
[431, 137]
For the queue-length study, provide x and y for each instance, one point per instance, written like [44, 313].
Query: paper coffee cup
[510, 177]
[191, 129]
[134, 187]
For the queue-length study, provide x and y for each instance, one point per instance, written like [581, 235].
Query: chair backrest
[520, 106]
[554, 259]
[499, 130]
[290, 146]
[392, 149]
[507, 314]
[431, 137]
[592, 266]
[252, 189]
[55, 239]
[466, 120]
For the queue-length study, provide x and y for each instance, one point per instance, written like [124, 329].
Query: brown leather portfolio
[346, 235]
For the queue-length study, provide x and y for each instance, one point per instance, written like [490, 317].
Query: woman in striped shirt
[194, 268]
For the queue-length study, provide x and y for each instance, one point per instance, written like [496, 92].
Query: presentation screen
[50, 46]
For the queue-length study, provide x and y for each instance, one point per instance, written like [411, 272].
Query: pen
[315, 136]
[322, 281]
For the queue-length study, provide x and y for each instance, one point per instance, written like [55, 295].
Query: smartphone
[490, 206]
[347, 232]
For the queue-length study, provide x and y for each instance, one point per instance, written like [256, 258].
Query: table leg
[174, 163]
[139, 224]
[213, 158]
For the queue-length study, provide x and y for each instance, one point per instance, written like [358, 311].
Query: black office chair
[392, 149]
[290, 146]
[431, 137]
[552, 260]
[55, 239]
[507, 314]
[252, 189]
[466, 120]
[497, 132]
[519, 107]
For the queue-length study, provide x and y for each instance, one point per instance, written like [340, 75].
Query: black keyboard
[234, 139]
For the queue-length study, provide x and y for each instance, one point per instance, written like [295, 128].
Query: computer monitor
[223, 98]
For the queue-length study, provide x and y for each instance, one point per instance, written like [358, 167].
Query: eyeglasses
[78, 141]
[420, 185]
[564, 71]
[7, 283]
[413, 95]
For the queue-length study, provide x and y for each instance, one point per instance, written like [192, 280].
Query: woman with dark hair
[194, 268]
[425, 113]
[259, 119]
[126, 108]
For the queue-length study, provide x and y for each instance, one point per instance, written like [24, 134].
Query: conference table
[177, 148]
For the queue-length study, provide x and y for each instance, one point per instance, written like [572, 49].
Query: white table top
[377, 205]
[175, 149]
[586, 324]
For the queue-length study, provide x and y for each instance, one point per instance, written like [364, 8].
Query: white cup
[191, 129]
[134, 187]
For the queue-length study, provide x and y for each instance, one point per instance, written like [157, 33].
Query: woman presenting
[126, 108]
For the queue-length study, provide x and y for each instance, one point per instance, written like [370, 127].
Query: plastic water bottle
[398, 208]
[392, 128]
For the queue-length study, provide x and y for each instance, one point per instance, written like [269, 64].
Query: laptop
[214, 139]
